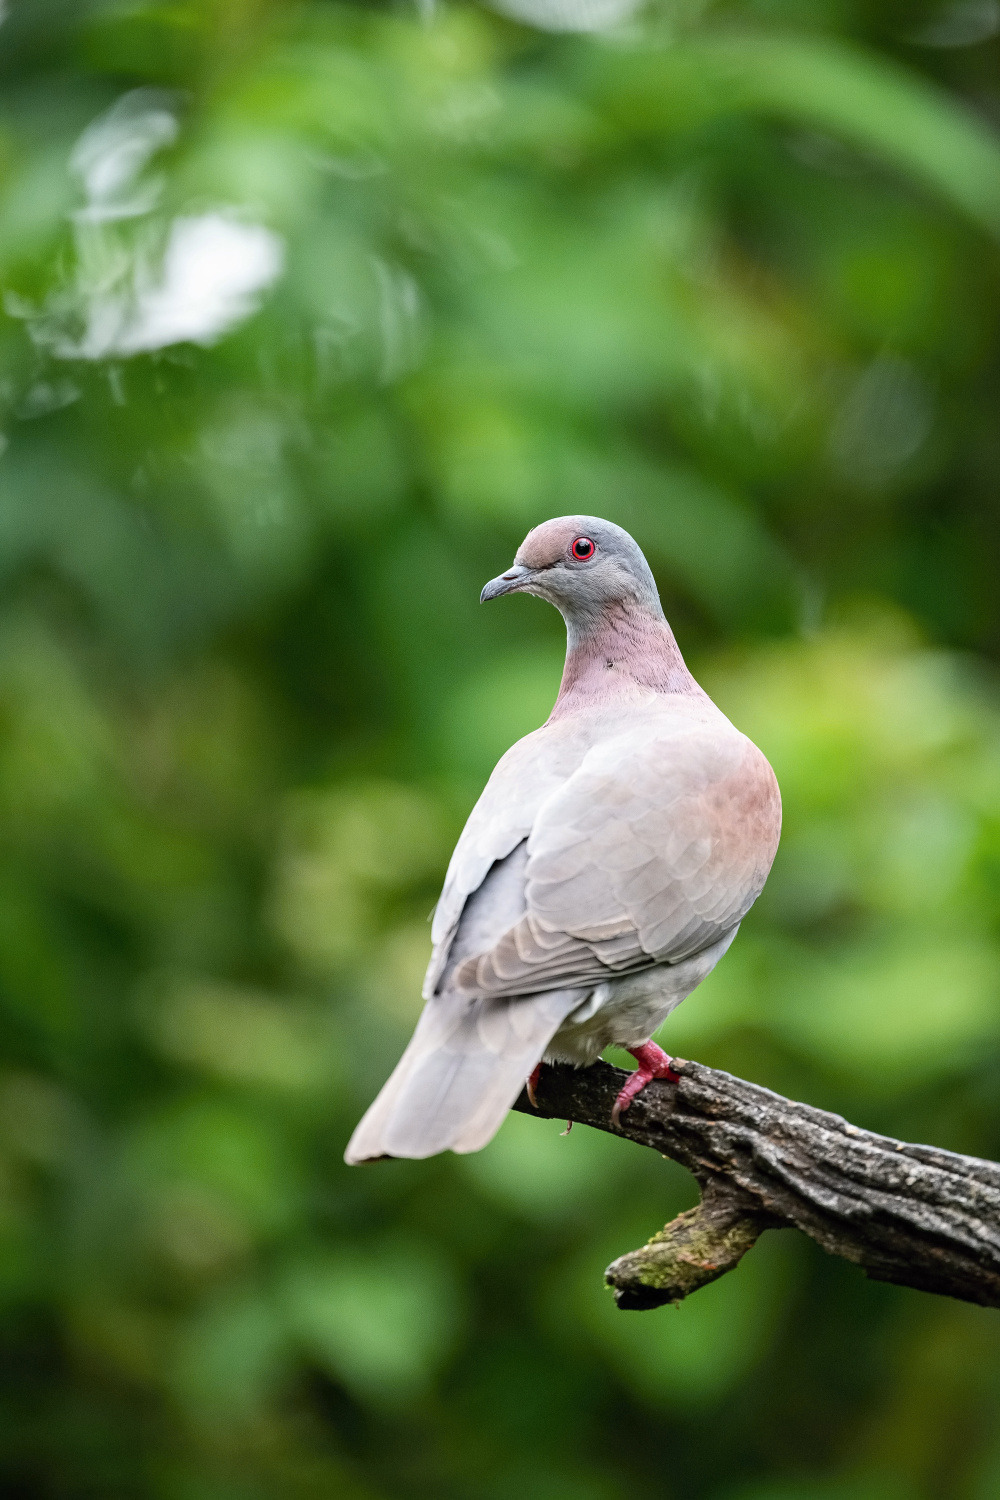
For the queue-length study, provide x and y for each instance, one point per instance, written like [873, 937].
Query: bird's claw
[653, 1063]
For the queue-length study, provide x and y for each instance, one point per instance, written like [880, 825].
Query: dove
[602, 874]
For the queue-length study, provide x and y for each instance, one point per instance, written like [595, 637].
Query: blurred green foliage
[309, 311]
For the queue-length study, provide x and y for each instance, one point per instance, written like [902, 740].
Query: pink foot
[653, 1063]
[532, 1084]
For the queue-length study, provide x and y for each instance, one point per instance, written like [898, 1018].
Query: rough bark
[910, 1214]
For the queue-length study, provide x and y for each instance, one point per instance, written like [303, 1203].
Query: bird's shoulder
[545, 760]
[672, 787]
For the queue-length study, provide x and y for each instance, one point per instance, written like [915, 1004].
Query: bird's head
[583, 566]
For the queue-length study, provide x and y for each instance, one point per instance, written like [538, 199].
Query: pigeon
[603, 872]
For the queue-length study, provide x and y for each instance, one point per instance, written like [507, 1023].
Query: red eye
[583, 548]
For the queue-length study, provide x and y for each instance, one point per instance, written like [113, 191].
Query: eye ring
[582, 548]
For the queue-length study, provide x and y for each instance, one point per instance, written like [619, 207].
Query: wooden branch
[910, 1214]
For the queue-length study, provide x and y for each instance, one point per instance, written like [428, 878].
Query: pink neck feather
[625, 648]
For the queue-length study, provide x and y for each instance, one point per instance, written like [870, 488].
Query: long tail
[464, 1067]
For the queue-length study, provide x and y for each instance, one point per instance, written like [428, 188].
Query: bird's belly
[625, 1011]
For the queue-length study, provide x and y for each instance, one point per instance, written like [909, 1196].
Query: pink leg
[653, 1063]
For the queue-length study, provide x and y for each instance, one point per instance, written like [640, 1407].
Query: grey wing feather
[468, 1058]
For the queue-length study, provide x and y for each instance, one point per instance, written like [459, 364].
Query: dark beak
[506, 583]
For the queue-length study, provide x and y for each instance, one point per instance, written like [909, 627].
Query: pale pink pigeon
[603, 872]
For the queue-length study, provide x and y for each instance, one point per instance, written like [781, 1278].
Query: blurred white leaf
[569, 15]
[113, 151]
[212, 273]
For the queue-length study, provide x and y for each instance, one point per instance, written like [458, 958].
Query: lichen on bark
[697, 1247]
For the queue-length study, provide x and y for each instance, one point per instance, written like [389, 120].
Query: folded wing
[652, 849]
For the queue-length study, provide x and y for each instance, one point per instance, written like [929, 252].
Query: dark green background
[726, 274]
